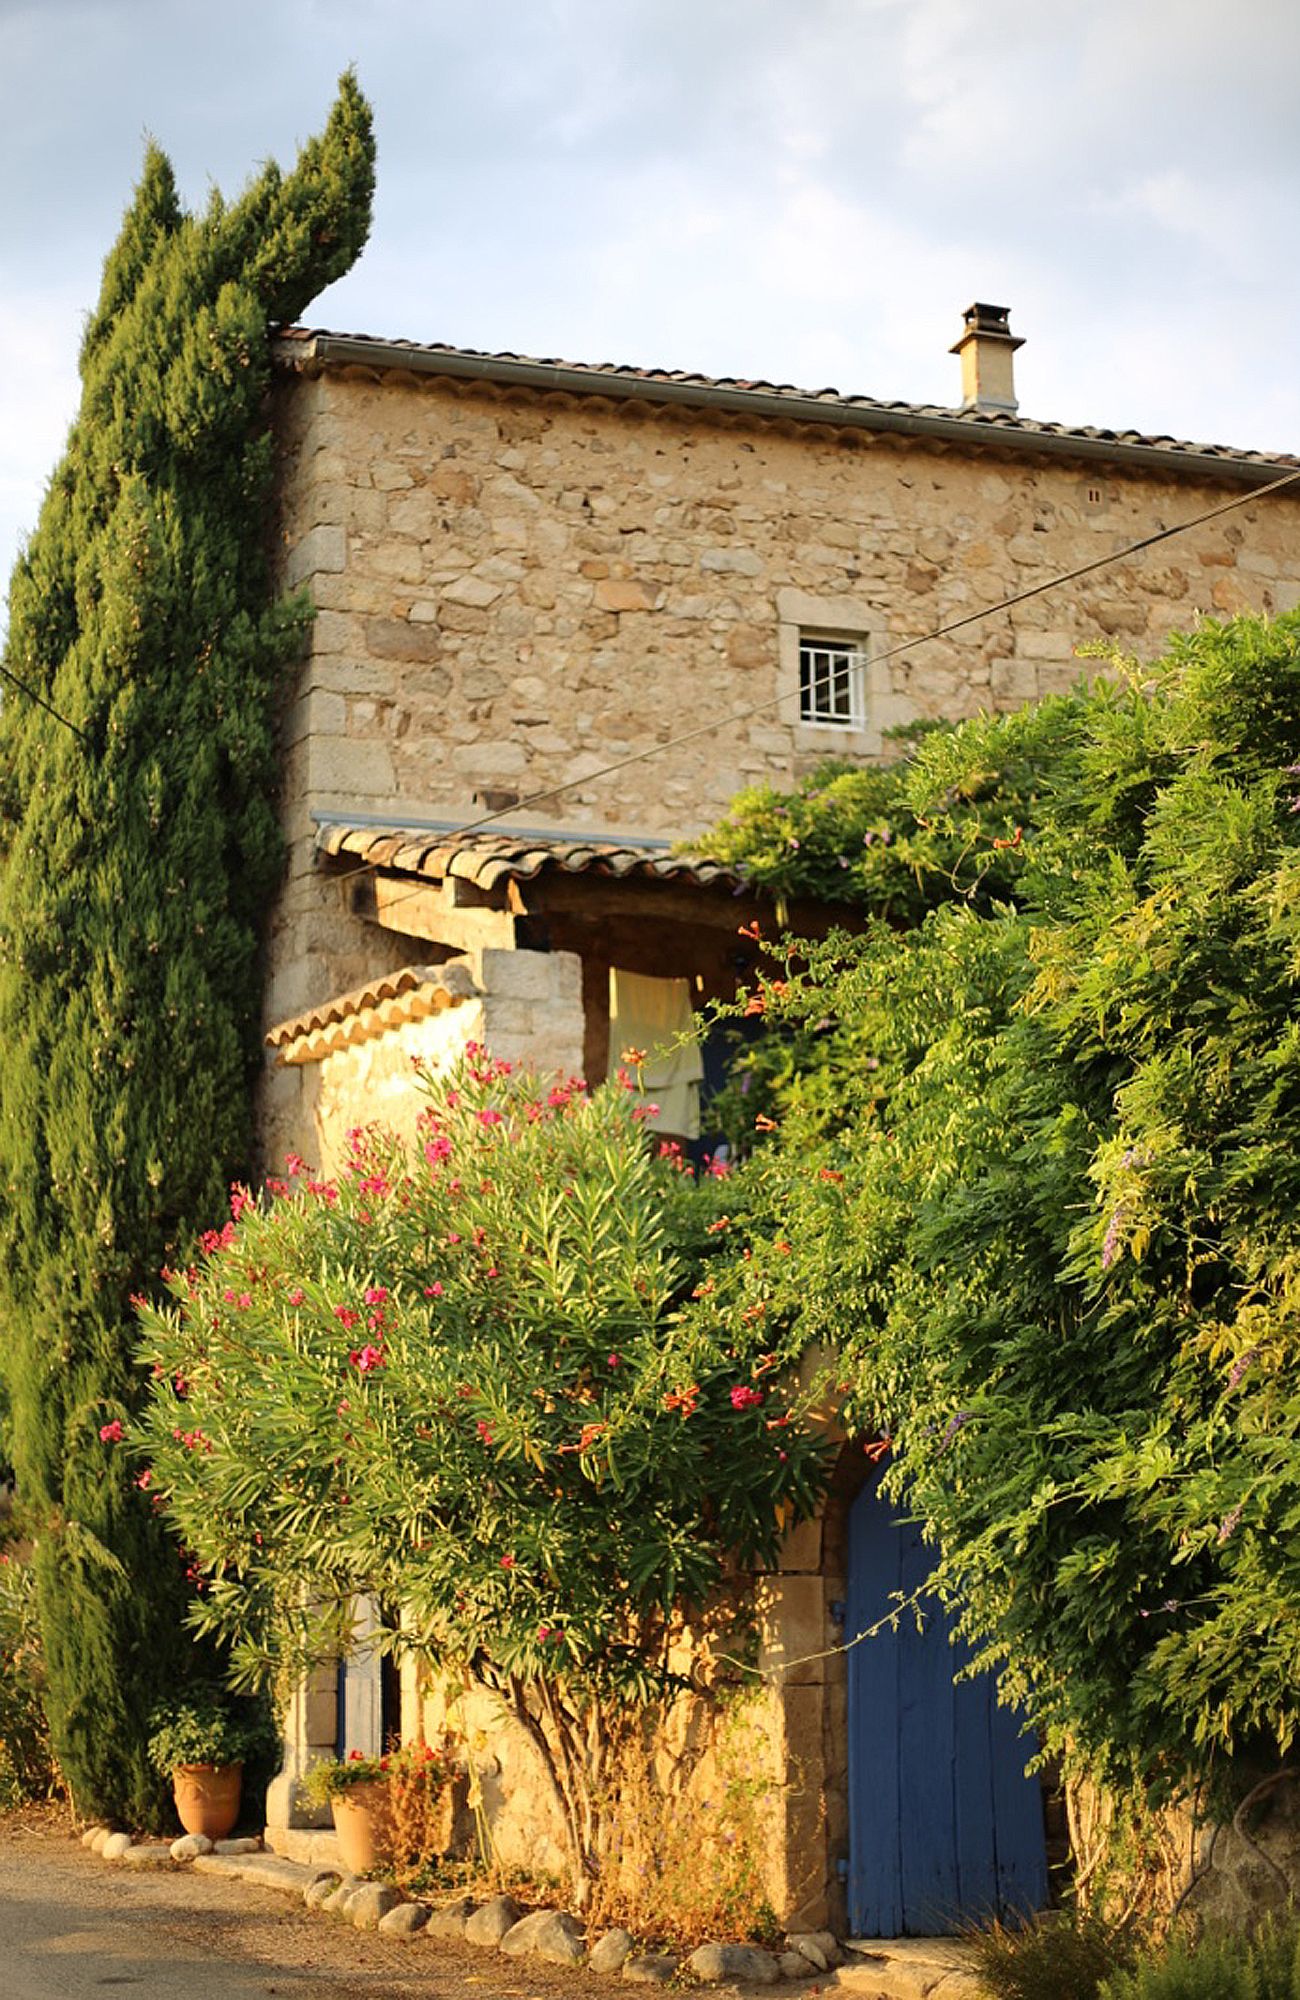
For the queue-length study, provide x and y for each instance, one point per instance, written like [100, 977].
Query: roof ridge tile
[1023, 429]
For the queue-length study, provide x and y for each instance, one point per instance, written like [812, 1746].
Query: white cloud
[39, 335]
[810, 193]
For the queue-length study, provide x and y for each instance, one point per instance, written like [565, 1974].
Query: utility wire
[41, 702]
[878, 660]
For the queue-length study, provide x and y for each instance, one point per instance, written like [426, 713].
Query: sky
[807, 191]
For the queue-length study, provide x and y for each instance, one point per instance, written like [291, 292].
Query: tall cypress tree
[138, 847]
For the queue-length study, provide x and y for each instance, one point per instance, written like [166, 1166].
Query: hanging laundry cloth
[656, 1015]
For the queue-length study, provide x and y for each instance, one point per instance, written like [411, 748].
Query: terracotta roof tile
[488, 859]
[410, 994]
[302, 346]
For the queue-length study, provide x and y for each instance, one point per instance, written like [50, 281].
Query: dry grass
[1065, 1956]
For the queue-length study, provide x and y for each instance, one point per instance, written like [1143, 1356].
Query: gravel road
[73, 1927]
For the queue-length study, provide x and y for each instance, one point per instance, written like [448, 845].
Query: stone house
[586, 605]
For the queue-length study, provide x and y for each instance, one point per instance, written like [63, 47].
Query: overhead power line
[943, 631]
[6, 673]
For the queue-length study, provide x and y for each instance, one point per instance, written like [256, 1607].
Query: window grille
[830, 683]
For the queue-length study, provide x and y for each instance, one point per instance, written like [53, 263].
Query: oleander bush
[503, 1381]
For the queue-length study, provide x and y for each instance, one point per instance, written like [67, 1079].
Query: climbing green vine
[1044, 1211]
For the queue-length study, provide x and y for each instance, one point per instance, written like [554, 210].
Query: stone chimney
[987, 372]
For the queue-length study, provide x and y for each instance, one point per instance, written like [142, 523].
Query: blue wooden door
[944, 1826]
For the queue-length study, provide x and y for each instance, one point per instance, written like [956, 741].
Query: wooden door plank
[977, 1860]
[927, 1750]
[1017, 1817]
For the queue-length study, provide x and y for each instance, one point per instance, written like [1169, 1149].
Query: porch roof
[411, 993]
[488, 860]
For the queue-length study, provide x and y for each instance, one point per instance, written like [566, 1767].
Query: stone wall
[1223, 1865]
[516, 589]
[758, 1760]
[526, 1006]
[799, 1639]
[1248, 1867]
[710, 1791]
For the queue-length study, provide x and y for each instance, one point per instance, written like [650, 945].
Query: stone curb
[872, 1968]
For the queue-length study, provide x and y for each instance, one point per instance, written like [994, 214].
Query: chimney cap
[986, 322]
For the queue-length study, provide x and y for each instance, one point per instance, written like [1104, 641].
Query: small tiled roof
[410, 994]
[303, 347]
[488, 859]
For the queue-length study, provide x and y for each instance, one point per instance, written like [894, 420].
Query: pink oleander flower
[366, 1358]
[745, 1398]
[507, 1562]
[376, 1295]
[111, 1433]
[346, 1316]
[240, 1199]
[297, 1295]
[490, 1117]
[433, 1291]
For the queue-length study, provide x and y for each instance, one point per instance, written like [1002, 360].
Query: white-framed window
[831, 677]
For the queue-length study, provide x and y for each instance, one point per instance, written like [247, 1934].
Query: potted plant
[388, 1811]
[202, 1743]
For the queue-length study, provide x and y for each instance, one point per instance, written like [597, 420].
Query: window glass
[830, 682]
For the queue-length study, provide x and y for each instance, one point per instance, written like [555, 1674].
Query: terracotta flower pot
[207, 1797]
[363, 1823]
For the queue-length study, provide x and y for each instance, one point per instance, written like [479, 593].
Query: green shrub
[27, 1769]
[1048, 1217]
[210, 1727]
[335, 1777]
[1222, 1965]
[1065, 1957]
[461, 1380]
